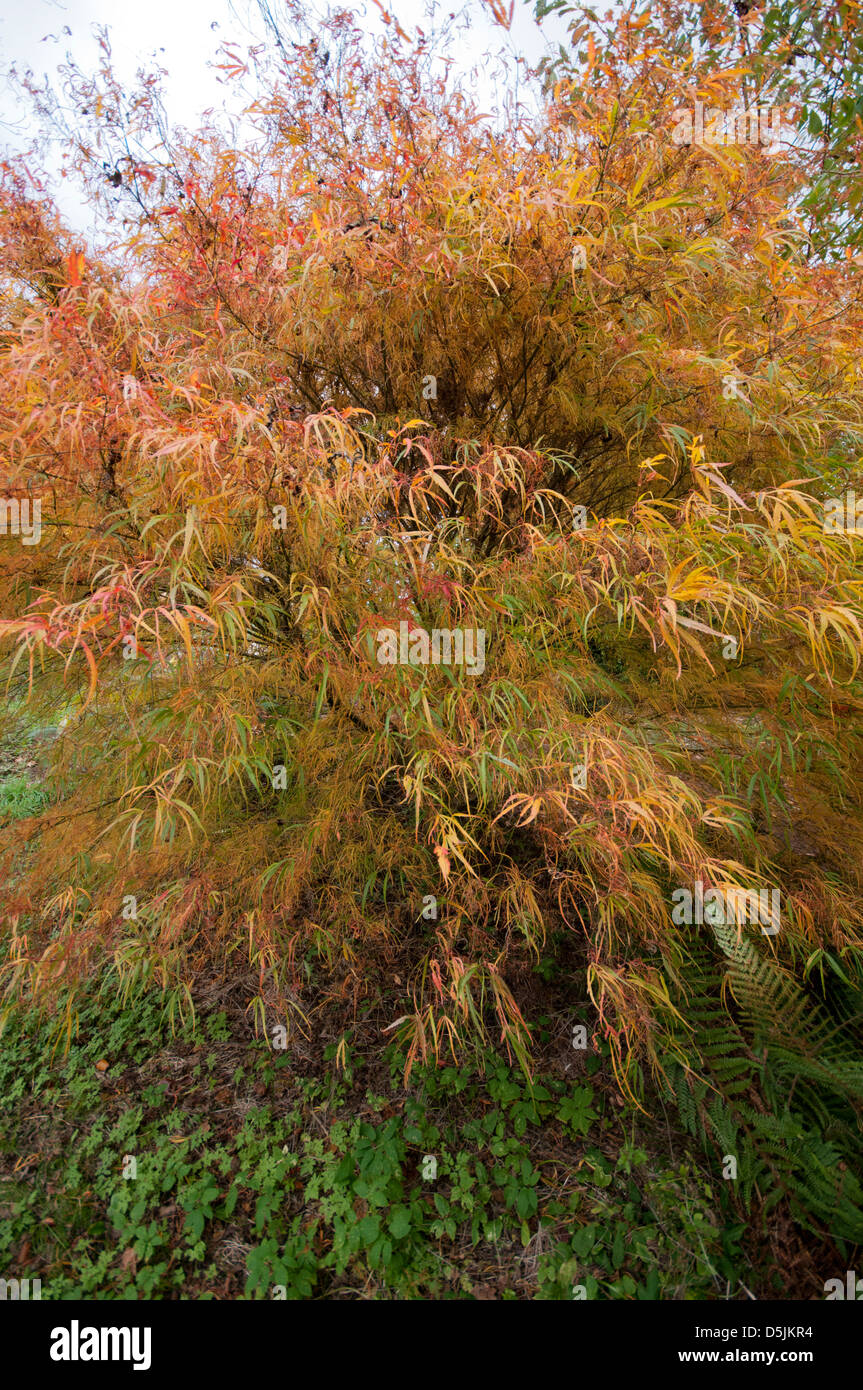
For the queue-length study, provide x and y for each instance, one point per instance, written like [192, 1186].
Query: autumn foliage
[367, 367]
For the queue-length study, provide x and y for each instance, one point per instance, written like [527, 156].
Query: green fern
[776, 1082]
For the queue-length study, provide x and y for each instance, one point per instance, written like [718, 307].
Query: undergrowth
[254, 1180]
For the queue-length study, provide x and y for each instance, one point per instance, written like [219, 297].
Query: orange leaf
[443, 860]
[75, 267]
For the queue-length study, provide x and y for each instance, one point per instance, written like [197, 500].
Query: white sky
[183, 36]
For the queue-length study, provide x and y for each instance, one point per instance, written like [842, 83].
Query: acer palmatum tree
[433, 566]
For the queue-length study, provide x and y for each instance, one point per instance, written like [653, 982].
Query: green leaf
[400, 1223]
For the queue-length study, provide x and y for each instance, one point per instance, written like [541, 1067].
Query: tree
[800, 58]
[557, 399]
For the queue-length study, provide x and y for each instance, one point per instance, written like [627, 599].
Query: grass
[20, 797]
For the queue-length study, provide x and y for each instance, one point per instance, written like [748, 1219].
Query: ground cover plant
[262, 1175]
[431, 619]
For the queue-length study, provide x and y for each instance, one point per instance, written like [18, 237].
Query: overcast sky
[183, 36]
